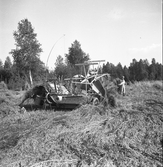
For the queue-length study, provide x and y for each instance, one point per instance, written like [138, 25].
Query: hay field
[129, 135]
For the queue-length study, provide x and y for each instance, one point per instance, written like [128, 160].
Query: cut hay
[128, 135]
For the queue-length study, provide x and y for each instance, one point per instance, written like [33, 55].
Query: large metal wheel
[96, 101]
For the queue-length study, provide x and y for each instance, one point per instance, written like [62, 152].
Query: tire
[96, 101]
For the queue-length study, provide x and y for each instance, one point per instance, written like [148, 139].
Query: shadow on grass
[155, 105]
[152, 102]
[9, 141]
[33, 107]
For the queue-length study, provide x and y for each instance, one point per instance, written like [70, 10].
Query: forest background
[26, 62]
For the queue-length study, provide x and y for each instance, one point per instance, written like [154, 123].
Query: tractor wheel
[96, 101]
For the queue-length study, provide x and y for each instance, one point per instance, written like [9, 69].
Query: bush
[16, 84]
[158, 85]
[3, 85]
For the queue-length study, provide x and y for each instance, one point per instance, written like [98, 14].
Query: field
[128, 135]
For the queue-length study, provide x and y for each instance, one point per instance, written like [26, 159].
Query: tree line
[26, 62]
[137, 71]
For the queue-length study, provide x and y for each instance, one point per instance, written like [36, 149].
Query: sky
[111, 30]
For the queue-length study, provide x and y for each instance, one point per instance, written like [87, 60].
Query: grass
[130, 134]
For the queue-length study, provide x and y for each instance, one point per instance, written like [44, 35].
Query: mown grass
[131, 134]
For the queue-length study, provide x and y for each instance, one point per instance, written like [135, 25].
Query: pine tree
[76, 55]
[8, 63]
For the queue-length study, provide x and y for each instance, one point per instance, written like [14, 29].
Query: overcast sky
[113, 30]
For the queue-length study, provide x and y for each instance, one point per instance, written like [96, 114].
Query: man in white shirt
[122, 84]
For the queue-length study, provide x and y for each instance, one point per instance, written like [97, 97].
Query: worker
[122, 84]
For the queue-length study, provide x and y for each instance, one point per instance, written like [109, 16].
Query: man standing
[122, 84]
